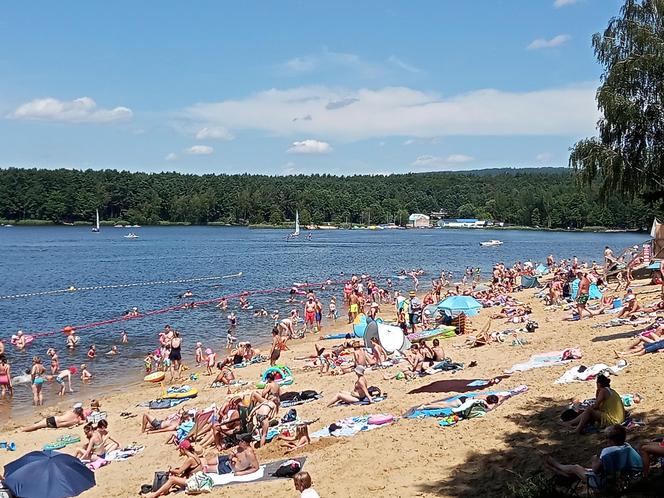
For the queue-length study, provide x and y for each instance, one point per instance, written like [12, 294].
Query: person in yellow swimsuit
[607, 410]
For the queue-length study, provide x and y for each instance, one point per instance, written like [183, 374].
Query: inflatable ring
[284, 376]
[155, 377]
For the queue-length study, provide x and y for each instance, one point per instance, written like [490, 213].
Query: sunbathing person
[300, 439]
[71, 418]
[225, 375]
[152, 424]
[491, 400]
[642, 349]
[651, 450]
[631, 307]
[616, 435]
[228, 425]
[438, 351]
[378, 352]
[99, 444]
[608, 408]
[359, 393]
[179, 475]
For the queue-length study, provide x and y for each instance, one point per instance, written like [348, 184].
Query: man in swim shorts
[583, 295]
[69, 419]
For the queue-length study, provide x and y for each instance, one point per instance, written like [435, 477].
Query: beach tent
[593, 290]
[455, 305]
[541, 270]
[389, 336]
[359, 325]
[529, 281]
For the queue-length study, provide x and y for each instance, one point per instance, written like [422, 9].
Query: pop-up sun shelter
[389, 336]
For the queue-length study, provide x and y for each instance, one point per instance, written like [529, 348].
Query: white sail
[97, 219]
[297, 224]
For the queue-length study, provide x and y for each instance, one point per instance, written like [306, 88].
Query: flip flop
[68, 439]
[54, 446]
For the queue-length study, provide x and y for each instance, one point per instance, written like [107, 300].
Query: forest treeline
[530, 197]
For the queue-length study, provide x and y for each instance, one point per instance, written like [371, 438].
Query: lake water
[38, 259]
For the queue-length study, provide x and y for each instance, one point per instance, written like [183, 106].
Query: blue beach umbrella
[47, 474]
[455, 305]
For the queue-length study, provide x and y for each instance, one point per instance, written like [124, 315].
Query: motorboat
[118, 226]
[491, 243]
[131, 235]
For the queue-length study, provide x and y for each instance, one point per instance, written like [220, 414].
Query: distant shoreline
[108, 224]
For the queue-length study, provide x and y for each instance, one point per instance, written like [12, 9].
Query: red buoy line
[182, 306]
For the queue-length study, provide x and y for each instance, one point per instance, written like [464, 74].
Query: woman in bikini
[175, 356]
[300, 439]
[5, 377]
[37, 377]
[265, 411]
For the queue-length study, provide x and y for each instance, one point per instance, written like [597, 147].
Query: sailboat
[296, 233]
[96, 227]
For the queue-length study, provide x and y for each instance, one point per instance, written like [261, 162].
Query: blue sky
[297, 86]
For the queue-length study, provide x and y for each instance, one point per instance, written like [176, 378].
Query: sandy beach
[410, 457]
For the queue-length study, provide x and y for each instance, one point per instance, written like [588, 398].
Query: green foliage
[628, 154]
[548, 197]
[535, 486]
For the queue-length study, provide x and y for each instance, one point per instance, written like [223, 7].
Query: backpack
[160, 478]
[200, 482]
[288, 469]
[290, 416]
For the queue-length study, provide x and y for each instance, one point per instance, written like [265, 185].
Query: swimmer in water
[223, 304]
[86, 376]
[55, 364]
[186, 294]
[92, 352]
[124, 338]
[20, 340]
[113, 351]
[72, 341]
[62, 377]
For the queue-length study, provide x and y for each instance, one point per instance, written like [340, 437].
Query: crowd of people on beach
[243, 422]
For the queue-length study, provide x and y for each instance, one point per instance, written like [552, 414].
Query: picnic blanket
[299, 401]
[350, 426]
[161, 404]
[547, 360]
[582, 373]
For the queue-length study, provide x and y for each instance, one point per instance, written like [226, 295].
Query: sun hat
[77, 405]
[208, 351]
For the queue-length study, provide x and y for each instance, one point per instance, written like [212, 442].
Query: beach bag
[374, 391]
[291, 416]
[200, 482]
[160, 478]
[288, 469]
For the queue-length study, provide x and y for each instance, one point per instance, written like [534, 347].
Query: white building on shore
[462, 223]
[417, 220]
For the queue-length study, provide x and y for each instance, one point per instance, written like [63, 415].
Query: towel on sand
[581, 373]
[547, 360]
[349, 427]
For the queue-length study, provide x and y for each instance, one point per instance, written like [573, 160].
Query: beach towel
[161, 404]
[350, 426]
[123, 454]
[581, 373]
[223, 479]
[296, 402]
[97, 464]
[547, 360]
[233, 383]
[455, 385]
[417, 412]
[375, 399]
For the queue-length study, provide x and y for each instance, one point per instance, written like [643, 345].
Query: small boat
[491, 243]
[118, 226]
[131, 235]
[296, 233]
[133, 226]
[95, 229]
[8, 226]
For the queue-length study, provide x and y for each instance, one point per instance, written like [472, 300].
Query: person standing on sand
[583, 295]
[175, 356]
[353, 307]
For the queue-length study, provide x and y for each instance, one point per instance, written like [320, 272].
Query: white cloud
[301, 64]
[214, 133]
[543, 157]
[410, 141]
[171, 156]
[428, 160]
[402, 111]
[393, 59]
[310, 146]
[199, 150]
[83, 110]
[563, 3]
[556, 41]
